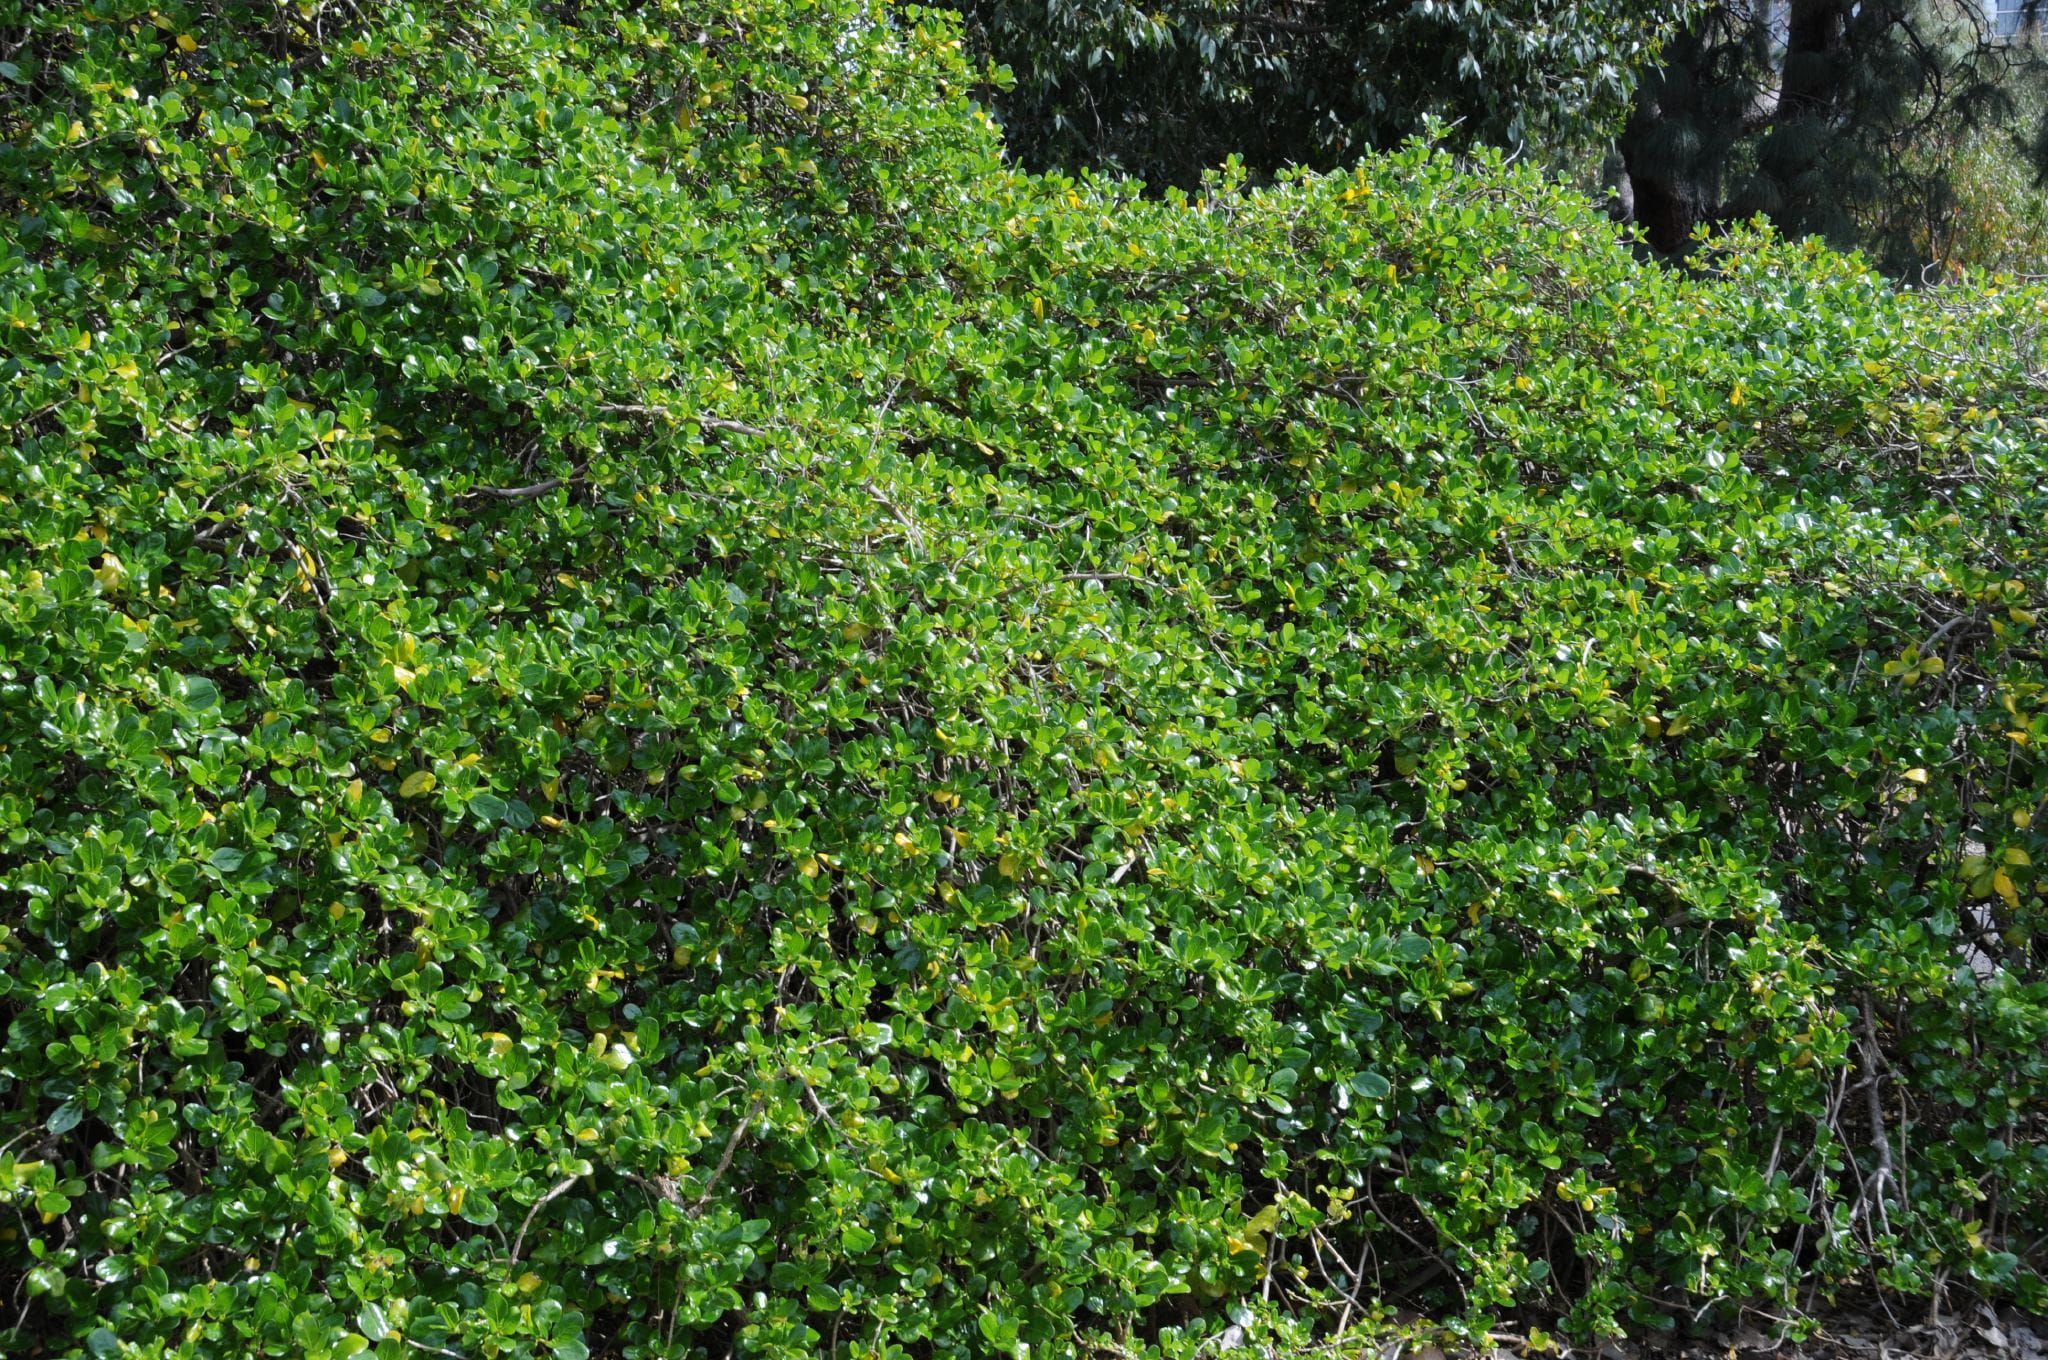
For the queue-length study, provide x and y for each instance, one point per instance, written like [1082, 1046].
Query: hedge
[650, 707]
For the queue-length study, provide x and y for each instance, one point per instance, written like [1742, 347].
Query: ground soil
[1872, 1333]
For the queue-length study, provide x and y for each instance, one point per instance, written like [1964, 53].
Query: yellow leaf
[2001, 882]
[2019, 857]
[416, 784]
[187, 43]
[1916, 775]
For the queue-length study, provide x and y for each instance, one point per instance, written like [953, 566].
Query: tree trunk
[1661, 172]
[1814, 38]
[1666, 208]
[1794, 184]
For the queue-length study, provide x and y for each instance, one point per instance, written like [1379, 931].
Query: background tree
[1831, 118]
[1167, 91]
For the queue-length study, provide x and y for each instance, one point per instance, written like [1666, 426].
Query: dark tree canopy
[1167, 91]
[1829, 117]
[1821, 115]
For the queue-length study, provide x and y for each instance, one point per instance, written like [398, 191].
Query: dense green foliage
[1166, 91]
[648, 707]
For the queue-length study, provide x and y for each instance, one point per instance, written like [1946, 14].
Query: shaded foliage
[1166, 92]
[1992, 216]
[1825, 116]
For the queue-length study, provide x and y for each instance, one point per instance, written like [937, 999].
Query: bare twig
[432, 1350]
[518, 493]
[560, 1189]
[725, 1160]
[1358, 1278]
[1870, 1057]
[708, 422]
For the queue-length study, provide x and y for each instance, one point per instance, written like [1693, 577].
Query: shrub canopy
[649, 707]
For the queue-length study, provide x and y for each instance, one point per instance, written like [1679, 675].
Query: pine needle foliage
[1831, 118]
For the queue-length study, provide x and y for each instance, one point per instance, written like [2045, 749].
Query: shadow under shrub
[649, 707]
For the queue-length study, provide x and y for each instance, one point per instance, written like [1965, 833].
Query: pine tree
[1818, 114]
